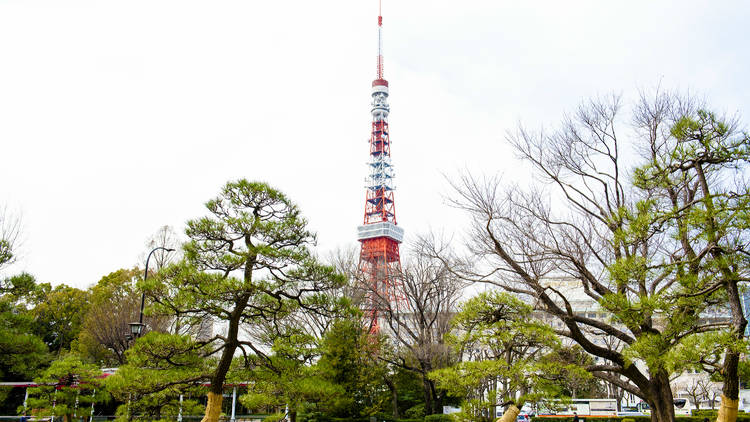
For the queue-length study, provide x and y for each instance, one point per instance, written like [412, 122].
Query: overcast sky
[118, 117]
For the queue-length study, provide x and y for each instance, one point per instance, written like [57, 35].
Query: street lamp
[136, 328]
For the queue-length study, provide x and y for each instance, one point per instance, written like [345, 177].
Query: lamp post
[136, 328]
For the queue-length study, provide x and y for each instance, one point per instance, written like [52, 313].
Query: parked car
[522, 417]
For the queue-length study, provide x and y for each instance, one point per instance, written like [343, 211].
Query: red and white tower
[379, 259]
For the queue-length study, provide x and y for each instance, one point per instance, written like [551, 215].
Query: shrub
[740, 418]
[438, 418]
[415, 412]
[313, 417]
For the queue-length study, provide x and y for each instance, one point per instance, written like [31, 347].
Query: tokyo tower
[379, 260]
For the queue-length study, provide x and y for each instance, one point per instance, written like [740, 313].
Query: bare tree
[166, 237]
[695, 389]
[346, 261]
[593, 223]
[418, 320]
[711, 391]
[166, 244]
[10, 237]
[115, 302]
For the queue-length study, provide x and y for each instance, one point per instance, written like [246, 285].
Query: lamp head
[136, 328]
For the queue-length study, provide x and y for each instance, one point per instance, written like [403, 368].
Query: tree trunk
[493, 408]
[510, 415]
[213, 407]
[730, 370]
[216, 390]
[662, 401]
[437, 401]
[619, 394]
[428, 404]
[730, 392]
[292, 415]
[394, 396]
[728, 409]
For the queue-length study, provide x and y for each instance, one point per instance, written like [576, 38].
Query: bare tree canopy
[114, 303]
[166, 237]
[419, 318]
[10, 237]
[632, 223]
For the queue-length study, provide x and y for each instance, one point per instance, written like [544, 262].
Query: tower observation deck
[379, 235]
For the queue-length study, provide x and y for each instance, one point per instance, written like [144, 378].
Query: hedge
[740, 418]
[711, 413]
[438, 418]
[320, 417]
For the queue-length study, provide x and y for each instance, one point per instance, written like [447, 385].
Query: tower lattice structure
[379, 260]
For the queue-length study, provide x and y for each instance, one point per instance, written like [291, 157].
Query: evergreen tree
[68, 388]
[247, 264]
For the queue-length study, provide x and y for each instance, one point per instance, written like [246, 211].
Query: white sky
[118, 117]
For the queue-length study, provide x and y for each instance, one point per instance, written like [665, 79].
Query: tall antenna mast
[379, 235]
[380, 39]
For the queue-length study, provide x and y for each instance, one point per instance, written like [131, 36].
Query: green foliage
[114, 302]
[709, 212]
[22, 352]
[339, 385]
[411, 394]
[694, 418]
[322, 417]
[68, 387]
[55, 313]
[247, 263]
[160, 368]
[6, 252]
[565, 367]
[9, 231]
[59, 315]
[276, 417]
[415, 412]
[712, 413]
[157, 408]
[257, 234]
[501, 325]
[658, 254]
[293, 384]
[439, 418]
[347, 352]
[744, 372]
[705, 413]
[22, 287]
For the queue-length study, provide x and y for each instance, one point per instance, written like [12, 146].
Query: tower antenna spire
[379, 234]
[380, 39]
